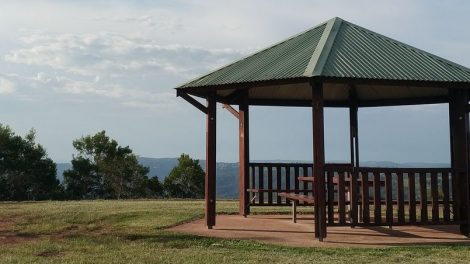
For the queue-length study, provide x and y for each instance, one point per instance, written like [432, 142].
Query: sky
[73, 68]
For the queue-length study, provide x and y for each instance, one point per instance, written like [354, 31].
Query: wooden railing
[399, 196]
[363, 196]
[269, 179]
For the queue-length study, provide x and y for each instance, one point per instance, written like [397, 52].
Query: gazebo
[340, 64]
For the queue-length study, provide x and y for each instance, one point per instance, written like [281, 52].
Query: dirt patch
[49, 254]
[8, 235]
[5, 224]
[13, 238]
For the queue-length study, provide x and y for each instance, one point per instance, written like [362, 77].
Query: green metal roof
[337, 48]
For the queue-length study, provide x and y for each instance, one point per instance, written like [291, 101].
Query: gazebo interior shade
[340, 54]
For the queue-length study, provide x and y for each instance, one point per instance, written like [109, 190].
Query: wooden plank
[252, 176]
[331, 196]
[234, 112]
[297, 197]
[458, 102]
[412, 197]
[377, 199]
[423, 197]
[261, 184]
[287, 177]
[278, 183]
[400, 199]
[194, 102]
[296, 180]
[211, 155]
[306, 185]
[270, 184]
[445, 192]
[365, 197]
[434, 198]
[244, 155]
[256, 190]
[353, 190]
[318, 158]
[341, 199]
[388, 199]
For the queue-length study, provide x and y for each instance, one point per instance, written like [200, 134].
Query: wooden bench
[256, 191]
[294, 198]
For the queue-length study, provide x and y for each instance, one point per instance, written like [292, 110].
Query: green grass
[133, 232]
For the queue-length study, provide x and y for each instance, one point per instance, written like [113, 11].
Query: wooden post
[244, 155]
[210, 161]
[354, 143]
[318, 160]
[459, 129]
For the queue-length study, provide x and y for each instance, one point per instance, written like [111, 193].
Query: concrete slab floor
[279, 229]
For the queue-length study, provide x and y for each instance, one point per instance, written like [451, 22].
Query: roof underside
[340, 53]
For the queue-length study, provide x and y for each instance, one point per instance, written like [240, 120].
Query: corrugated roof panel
[360, 53]
[287, 59]
[337, 48]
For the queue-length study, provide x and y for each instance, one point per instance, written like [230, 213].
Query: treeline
[101, 169]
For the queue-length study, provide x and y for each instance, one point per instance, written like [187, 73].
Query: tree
[155, 187]
[186, 180]
[103, 169]
[26, 173]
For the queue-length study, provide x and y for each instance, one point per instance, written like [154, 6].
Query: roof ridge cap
[322, 51]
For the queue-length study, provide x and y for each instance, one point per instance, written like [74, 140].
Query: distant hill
[227, 173]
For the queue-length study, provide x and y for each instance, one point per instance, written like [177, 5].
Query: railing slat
[388, 198]
[341, 200]
[287, 177]
[296, 177]
[306, 185]
[278, 183]
[261, 184]
[400, 198]
[412, 196]
[445, 192]
[353, 202]
[377, 199]
[435, 198]
[424, 197]
[331, 196]
[365, 197]
[270, 185]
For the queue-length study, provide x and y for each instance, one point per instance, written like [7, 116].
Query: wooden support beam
[345, 104]
[192, 101]
[460, 156]
[354, 144]
[236, 96]
[318, 159]
[244, 155]
[231, 110]
[210, 161]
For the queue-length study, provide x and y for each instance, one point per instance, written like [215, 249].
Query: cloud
[90, 54]
[6, 86]
[135, 71]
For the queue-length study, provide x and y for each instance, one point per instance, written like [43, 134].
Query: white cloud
[137, 72]
[6, 86]
[91, 54]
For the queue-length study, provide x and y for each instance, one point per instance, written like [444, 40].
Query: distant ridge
[227, 172]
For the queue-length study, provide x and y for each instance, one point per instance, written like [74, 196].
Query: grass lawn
[133, 232]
